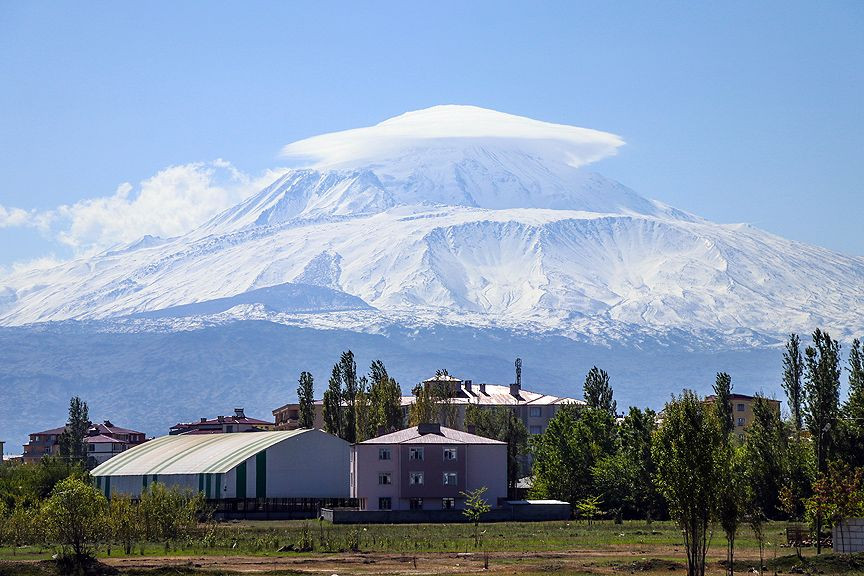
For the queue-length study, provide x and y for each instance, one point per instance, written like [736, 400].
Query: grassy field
[506, 548]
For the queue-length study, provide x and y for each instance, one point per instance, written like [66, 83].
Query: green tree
[73, 447]
[332, 405]
[765, 448]
[614, 481]
[348, 374]
[167, 513]
[800, 471]
[385, 396]
[589, 508]
[685, 452]
[25, 525]
[723, 402]
[837, 495]
[853, 408]
[424, 409]
[566, 453]
[793, 371]
[74, 512]
[364, 423]
[501, 423]
[731, 495]
[636, 434]
[123, 522]
[475, 507]
[598, 391]
[822, 393]
[306, 399]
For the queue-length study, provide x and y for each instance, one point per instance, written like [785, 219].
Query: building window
[416, 503]
[384, 454]
[92, 447]
[449, 453]
[385, 478]
[229, 429]
[450, 479]
[535, 411]
[384, 504]
[740, 422]
[740, 407]
[448, 503]
[415, 454]
[536, 430]
[415, 478]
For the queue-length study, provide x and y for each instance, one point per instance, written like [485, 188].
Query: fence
[276, 508]
[848, 536]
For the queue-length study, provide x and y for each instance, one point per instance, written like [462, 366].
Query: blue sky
[736, 111]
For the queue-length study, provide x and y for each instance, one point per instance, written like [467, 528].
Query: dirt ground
[626, 560]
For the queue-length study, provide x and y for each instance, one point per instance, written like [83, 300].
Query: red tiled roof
[47, 432]
[226, 420]
[102, 428]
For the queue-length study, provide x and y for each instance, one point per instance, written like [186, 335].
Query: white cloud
[172, 202]
[15, 217]
[449, 126]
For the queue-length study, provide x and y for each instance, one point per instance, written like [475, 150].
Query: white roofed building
[305, 463]
[535, 409]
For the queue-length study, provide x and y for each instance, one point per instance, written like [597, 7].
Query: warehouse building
[283, 464]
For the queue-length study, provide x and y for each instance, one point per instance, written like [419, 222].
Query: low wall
[517, 513]
[848, 536]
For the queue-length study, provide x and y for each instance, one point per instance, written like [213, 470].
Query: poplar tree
[822, 393]
[822, 398]
[685, 450]
[306, 399]
[364, 418]
[598, 392]
[723, 403]
[385, 397]
[333, 421]
[348, 374]
[765, 448]
[853, 408]
[73, 448]
[793, 371]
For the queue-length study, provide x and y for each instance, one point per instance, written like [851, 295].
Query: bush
[74, 514]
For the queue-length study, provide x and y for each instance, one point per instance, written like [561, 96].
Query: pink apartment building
[426, 468]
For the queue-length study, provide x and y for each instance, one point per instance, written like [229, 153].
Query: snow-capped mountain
[460, 215]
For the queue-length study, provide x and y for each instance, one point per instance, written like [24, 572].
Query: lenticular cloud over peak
[452, 128]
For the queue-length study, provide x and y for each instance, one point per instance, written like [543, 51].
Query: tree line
[690, 464]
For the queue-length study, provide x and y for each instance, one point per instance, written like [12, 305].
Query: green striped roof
[196, 454]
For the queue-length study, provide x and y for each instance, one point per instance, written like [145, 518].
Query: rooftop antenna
[519, 372]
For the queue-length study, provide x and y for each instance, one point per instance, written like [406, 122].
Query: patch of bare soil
[626, 560]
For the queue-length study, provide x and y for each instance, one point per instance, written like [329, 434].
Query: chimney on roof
[517, 386]
[221, 418]
[482, 388]
[108, 423]
[203, 419]
[468, 384]
[429, 428]
[238, 413]
[472, 429]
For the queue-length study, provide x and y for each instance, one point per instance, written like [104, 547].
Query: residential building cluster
[429, 467]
